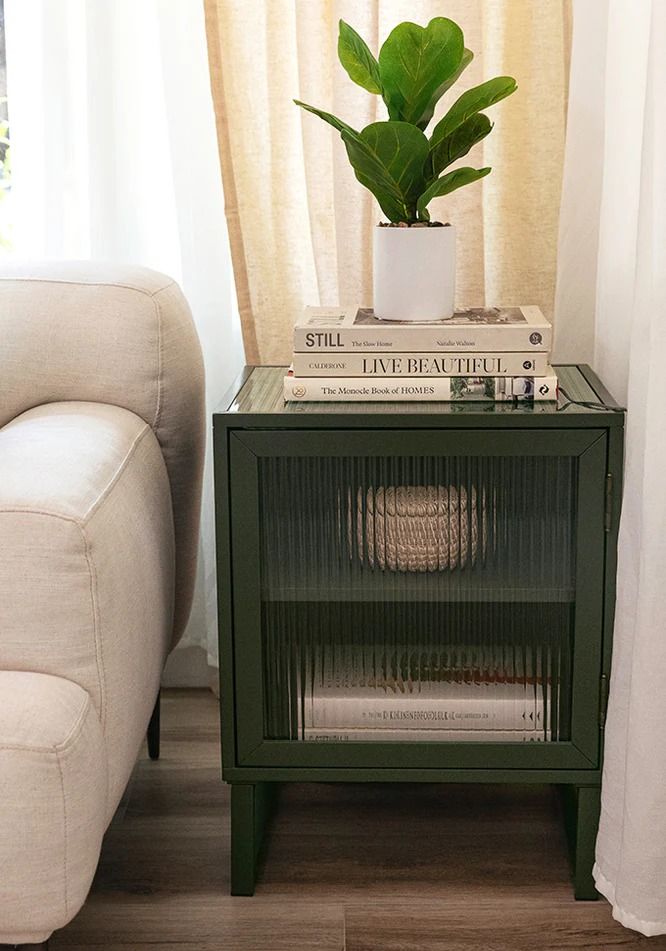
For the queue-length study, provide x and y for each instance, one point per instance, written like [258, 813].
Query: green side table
[402, 549]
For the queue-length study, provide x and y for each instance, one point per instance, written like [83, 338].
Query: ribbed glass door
[425, 591]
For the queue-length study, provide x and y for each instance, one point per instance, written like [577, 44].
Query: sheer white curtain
[611, 310]
[115, 156]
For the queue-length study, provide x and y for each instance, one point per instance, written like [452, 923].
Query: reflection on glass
[417, 598]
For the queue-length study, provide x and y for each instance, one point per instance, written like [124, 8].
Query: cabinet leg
[582, 805]
[251, 808]
[153, 735]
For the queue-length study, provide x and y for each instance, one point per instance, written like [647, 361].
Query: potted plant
[414, 257]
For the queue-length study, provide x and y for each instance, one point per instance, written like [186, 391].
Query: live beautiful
[423, 366]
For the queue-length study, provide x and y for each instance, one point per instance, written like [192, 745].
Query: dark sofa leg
[154, 731]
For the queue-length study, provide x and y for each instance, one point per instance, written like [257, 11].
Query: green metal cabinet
[304, 589]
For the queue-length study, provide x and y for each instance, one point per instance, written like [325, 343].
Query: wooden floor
[355, 867]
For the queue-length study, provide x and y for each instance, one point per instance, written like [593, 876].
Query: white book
[437, 706]
[486, 329]
[469, 389]
[330, 363]
[409, 668]
[320, 735]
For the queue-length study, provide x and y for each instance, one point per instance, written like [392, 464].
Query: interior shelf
[368, 587]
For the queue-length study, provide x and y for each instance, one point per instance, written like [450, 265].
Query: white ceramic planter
[414, 271]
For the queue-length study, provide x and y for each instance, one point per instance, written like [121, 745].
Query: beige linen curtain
[300, 224]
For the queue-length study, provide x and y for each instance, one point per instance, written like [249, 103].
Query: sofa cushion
[53, 793]
[87, 562]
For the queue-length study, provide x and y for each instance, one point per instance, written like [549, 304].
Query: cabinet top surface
[258, 392]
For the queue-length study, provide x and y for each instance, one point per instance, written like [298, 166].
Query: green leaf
[416, 66]
[471, 101]
[327, 117]
[458, 143]
[402, 150]
[373, 176]
[389, 159]
[467, 58]
[448, 183]
[357, 59]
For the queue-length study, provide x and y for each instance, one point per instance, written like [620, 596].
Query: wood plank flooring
[347, 867]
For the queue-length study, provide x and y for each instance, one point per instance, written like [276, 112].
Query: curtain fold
[115, 157]
[301, 225]
[612, 307]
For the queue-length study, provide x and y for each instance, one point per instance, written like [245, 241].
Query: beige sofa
[101, 449]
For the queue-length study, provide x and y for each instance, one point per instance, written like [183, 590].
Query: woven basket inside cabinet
[418, 528]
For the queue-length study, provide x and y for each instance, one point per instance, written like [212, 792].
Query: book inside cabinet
[433, 590]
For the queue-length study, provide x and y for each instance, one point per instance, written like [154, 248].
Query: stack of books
[435, 712]
[457, 693]
[489, 354]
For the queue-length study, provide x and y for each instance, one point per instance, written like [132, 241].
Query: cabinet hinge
[603, 700]
[608, 505]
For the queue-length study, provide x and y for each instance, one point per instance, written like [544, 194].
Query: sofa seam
[65, 831]
[128, 287]
[76, 727]
[158, 312]
[99, 646]
[22, 510]
[108, 488]
[94, 600]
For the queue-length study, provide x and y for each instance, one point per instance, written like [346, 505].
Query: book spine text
[416, 389]
[515, 711]
[482, 338]
[329, 364]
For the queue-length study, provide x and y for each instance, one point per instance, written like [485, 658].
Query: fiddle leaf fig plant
[395, 159]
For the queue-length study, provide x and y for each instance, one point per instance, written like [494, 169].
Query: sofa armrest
[87, 562]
